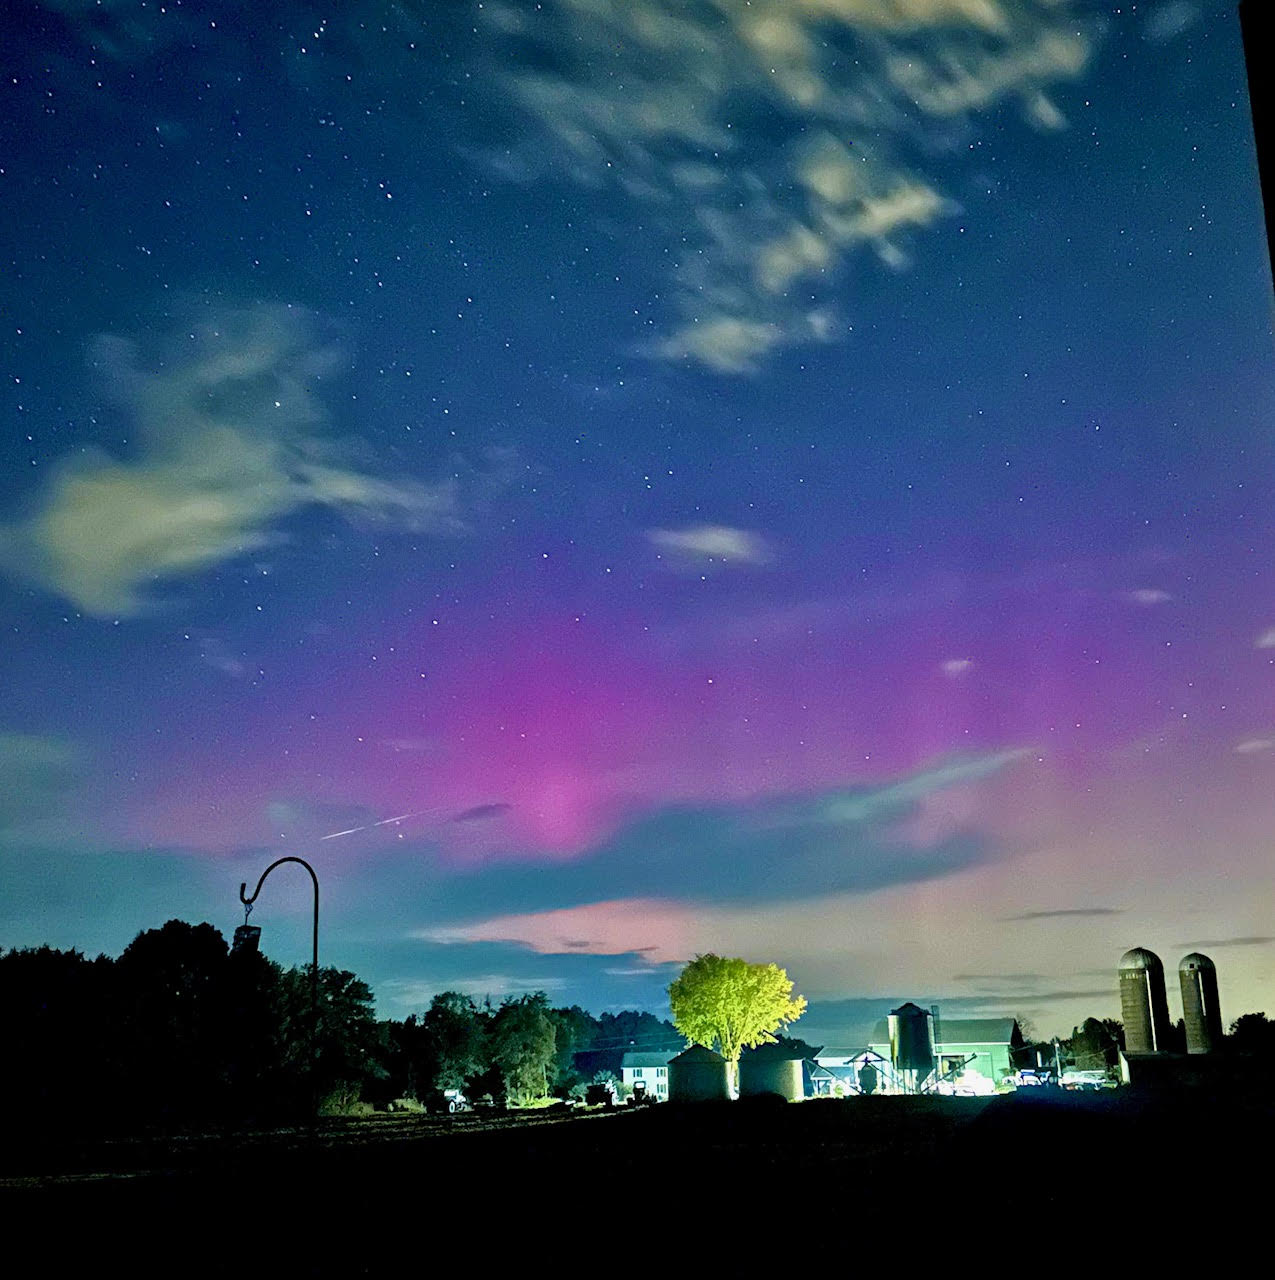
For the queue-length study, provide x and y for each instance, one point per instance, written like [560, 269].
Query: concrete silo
[1144, 1006]
[1200, 1008]
[771, 1070]
[699, 1075]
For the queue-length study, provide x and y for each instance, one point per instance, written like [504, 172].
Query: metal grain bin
[699, 1075]
[771, 1070]
[911, 1040]
[1200, 1008]
[1144, 1007]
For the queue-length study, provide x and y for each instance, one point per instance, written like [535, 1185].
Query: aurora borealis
[607, 480]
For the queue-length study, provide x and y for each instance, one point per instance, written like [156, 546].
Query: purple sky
[637, 479]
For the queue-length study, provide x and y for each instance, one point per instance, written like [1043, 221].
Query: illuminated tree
[733, 1004]
[523, 1047]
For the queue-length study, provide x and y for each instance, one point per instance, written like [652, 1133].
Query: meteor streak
[384, 822]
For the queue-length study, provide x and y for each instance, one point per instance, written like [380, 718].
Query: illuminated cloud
[712, 544]
[851, 840]
[659, 930]
[665, 101]
[1251, 746]
[1266, 640]
[1148, 596]
[231, 444]
[725, 344]
[954, 668]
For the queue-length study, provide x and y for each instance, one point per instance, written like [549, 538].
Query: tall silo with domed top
[1200, 1008]
[1144, 1006]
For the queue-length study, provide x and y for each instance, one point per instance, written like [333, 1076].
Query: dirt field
[346, 1197]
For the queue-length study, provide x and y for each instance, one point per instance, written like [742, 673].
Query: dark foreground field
[809, 1181]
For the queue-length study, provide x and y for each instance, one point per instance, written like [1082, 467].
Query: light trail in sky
[384, 822]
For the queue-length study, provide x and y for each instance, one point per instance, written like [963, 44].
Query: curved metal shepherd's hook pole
[314, 963]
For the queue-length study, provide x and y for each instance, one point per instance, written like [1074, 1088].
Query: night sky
[607, 480]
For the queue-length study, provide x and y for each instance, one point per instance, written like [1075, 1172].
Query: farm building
[647, 1071]
[970, 1056]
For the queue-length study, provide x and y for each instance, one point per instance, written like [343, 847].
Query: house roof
[978, 1031]
[647, 1059]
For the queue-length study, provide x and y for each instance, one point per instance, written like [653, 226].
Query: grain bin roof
[697, 1053]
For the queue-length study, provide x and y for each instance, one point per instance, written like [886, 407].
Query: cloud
[726, 344]
[1067, 912]
[769, 140]
[1255, 940]
[956, 667]
[36, 775]
[1266, 640]
[650, 927]
[1251, 746]
[1148, 596]
[231, 443]
[1168, 21]
[481, 812]
[1027, 999]
[217, 654]
[790, 849]
[709, 544]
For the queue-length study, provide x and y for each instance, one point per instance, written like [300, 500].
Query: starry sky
[607, 480]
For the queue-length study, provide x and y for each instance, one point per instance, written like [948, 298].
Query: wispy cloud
[231, 436]
[712, 544]
[1167, 21]
[217, 654]
[1067, 912]
[1266, 640]
[481, 812]
[1251, 746]
[1253, 940]
[762, 147]
[1148, 596]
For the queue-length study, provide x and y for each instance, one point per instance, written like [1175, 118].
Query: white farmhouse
[647, 1071]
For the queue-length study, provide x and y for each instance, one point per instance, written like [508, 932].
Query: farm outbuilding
[771, 1070]
[699, 1075]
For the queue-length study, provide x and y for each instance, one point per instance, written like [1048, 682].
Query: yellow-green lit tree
[732, 1005]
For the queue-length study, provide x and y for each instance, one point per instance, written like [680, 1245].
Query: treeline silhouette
[182, 1030]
